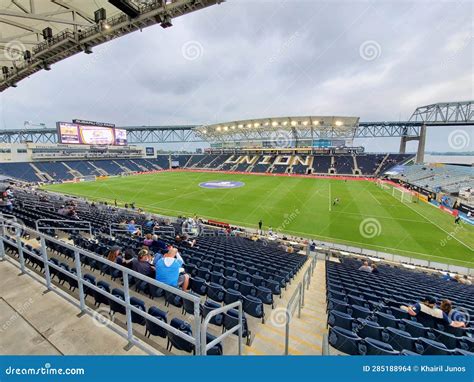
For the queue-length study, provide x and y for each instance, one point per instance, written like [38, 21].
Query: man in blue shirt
[169, 271]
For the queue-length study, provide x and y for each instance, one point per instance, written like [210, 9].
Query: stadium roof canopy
[296, 126]
[25, 46]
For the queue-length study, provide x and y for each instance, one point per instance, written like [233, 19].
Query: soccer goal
[404, 196]
[381, 184]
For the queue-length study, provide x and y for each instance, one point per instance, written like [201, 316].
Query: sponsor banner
[448, 210]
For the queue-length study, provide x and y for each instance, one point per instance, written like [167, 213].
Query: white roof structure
[24, 49]
[291, 126]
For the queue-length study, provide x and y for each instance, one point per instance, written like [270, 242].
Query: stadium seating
[377, 326]
[448, 178]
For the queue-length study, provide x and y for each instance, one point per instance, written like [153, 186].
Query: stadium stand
[223, 269]
[447, 178]
[365, 318]
[61, 170]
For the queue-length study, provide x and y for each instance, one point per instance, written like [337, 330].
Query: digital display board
[150, 151]
[73, 133]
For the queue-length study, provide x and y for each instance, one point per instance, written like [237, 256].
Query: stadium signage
[92, 123]
[221, 184]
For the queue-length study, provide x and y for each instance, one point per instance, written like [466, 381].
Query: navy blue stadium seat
[152, 328]
[371, 346]
[344, 340]
[340, 319]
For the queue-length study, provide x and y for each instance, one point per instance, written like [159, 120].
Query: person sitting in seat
[158, 245]
[455, 315]
[428, 306]
[365, 267]
[132, 229]
[127, 259]
[169, 271]
[374, 268]
[142, 264]
[148, 240]
[114, 252]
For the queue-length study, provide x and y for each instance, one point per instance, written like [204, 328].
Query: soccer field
[366, 216]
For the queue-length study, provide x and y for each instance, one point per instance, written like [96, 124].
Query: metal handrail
[206, 346]
[298, 297]
[195, 339]
[164, 230]
[88, 224]
[111, 229]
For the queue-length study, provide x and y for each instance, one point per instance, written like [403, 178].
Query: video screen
[72, 133]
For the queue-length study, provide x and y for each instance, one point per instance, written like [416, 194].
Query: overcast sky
[243, 59]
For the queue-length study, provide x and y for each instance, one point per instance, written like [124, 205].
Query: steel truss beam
[136, 135]
[73, 40]
[445, 113]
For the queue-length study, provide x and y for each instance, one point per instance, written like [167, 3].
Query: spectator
[142, 264]
[114, 252]
[447, 307]
[374, 268]
[428, 306]
[148, 240]
[365, 267]
[127, 259]
[465, 280]
[132, 229]
[158, 245]
[169, 271]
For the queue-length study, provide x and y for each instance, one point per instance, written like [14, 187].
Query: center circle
[221, 184]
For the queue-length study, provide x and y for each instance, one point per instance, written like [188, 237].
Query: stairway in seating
[125, 169]
[44, 176]
[355, 169]
[306, 332]
[74, 173]
[155, 166]
[99, 170]
[141, 167]
[381, 164]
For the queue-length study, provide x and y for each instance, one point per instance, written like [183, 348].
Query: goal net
[381, 184]
[403, 195]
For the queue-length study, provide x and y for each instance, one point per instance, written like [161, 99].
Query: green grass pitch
[367, 216]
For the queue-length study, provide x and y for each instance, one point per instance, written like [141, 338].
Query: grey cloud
[265, 58]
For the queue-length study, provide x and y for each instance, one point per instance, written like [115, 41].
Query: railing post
[127, 306]
[44, 254]
[287, 331]
[77, 260]
[20, 248]
[241, 321]
[197, 330]
[299, 300]
[2, 237]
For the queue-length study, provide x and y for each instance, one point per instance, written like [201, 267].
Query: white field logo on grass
[370, 228]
